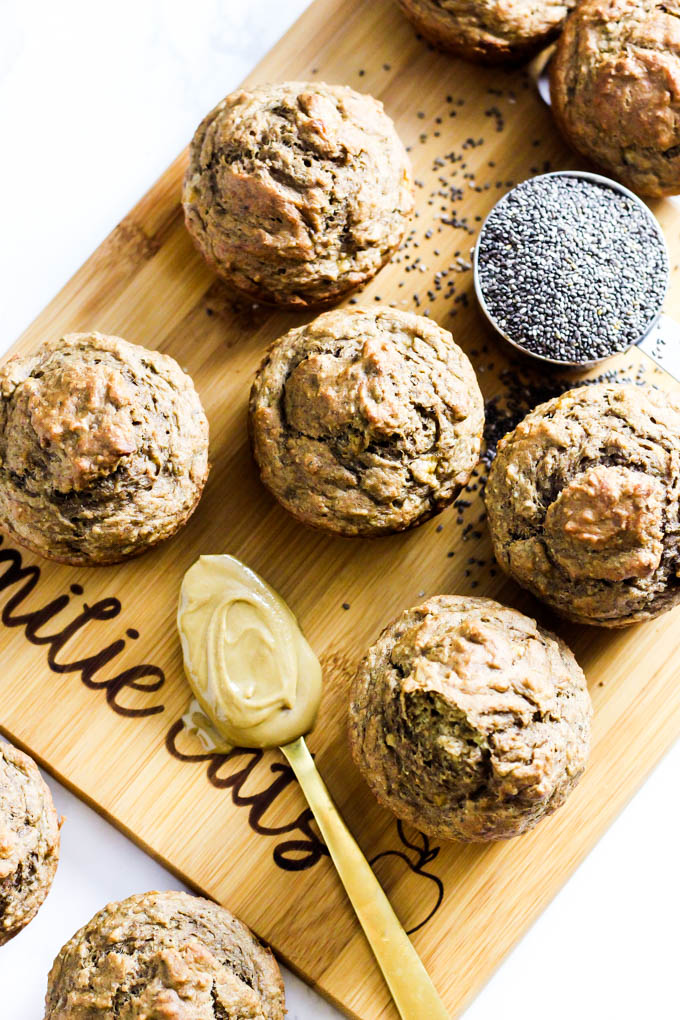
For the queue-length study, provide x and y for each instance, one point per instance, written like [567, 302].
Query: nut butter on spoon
[257, 683]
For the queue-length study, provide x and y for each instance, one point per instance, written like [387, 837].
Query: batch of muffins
[466, 718]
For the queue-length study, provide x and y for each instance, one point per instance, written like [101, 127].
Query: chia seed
[570, 269]
[524, 389]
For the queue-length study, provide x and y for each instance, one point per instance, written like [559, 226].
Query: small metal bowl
[651, 342]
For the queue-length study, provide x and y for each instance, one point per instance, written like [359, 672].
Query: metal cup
[660, 341]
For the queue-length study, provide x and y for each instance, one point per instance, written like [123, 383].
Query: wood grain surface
[237, 828]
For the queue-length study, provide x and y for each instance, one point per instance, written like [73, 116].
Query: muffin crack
[29, 841]
[100, 436]
[350, 429]
[611, 94]
[316, 201]
[592, 525]
[468, 720]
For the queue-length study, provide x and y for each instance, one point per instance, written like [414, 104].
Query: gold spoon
[258, 684]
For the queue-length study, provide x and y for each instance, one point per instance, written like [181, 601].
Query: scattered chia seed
[435, 275]
[345, 605]
[523, 390]
[571, 269]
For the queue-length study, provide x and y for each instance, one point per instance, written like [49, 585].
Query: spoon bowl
[257, 683]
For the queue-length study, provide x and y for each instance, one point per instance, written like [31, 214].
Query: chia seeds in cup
[571, 269]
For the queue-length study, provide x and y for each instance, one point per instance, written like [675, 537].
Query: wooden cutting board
[92, 682]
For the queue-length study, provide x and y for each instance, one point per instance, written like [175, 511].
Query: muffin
[468, 720]
[103, 449]
[29, 841]
[366, 422]
[297, 193]
[164, 954]
[615, 89]
[582, 503]
[488, 31]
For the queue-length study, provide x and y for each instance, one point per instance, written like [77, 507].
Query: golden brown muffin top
[366, 421]
[469, 720]
[103, 447]
[166, 955]
[29, 840]
[297, 192]
[493, 30]
[582, 501]
[616, 89]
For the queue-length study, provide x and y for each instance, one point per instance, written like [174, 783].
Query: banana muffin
[366, 422]
[582, 503]
[297, 193]
[103, 448]
[468, 720]
[164, 954]
[488, 31]
[615, 88]
[29, 840]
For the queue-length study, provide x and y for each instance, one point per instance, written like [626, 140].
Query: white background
[95, 100]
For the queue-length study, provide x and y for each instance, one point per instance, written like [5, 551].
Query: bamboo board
[237, 828]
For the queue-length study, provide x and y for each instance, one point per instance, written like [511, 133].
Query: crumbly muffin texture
[297, 193]
[29, 840]
[468, 720]
[164, 956]
[582, 503]
[366, 422]
[488, 31]
[103, 448]
[615, 88]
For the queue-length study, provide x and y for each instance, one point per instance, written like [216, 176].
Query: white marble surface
[95, 100]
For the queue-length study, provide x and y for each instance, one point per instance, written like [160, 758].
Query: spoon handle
[662, 345]
[412, 990]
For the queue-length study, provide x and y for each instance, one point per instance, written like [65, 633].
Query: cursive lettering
[290, 854]
[15, 573]
[298, 845]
